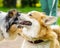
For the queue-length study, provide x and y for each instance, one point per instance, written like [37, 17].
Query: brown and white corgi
[38, 28]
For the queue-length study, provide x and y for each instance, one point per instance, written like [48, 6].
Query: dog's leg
[54, 44]
[54, 41]
[56, 29]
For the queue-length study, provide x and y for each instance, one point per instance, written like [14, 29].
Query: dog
[8, 24]
[37, 28]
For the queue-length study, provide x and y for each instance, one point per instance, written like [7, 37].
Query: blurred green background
[20, 5]
[23, 6]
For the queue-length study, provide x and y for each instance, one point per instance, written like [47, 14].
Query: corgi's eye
[30, 14]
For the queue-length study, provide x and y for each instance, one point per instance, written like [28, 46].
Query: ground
[11, 43]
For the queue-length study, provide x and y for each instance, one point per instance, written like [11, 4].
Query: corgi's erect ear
[50, 20]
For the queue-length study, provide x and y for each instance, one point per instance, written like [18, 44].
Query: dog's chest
[27, 44]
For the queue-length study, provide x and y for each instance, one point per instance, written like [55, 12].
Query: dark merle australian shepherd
[6, 21]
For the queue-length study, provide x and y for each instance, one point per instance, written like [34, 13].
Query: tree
[9, 3]
[32, 3]
[24, 3]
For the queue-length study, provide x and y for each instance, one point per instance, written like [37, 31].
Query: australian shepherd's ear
[12, 12]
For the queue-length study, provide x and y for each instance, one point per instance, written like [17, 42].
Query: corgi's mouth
[28, 23]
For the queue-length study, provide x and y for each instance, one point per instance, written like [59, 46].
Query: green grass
[58, 21]
[24, 10]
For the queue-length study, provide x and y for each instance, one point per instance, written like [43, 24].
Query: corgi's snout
[28, 23]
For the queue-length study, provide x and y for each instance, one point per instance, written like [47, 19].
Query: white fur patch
[32, 30]
[2, 24]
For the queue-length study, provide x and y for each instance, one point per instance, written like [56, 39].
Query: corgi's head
[35, 24]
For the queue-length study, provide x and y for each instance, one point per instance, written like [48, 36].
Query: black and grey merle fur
[11, 20]
[6, 20]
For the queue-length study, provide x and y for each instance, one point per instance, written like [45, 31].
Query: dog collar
[36, 42]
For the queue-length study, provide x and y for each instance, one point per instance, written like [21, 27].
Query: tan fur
[12, 12]
[13, 32]
[57, 30]
[46, 32]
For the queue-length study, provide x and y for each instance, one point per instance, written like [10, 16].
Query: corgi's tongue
[28, 23]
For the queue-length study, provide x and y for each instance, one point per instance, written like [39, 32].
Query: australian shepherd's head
[12, 20]
[9, 23]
